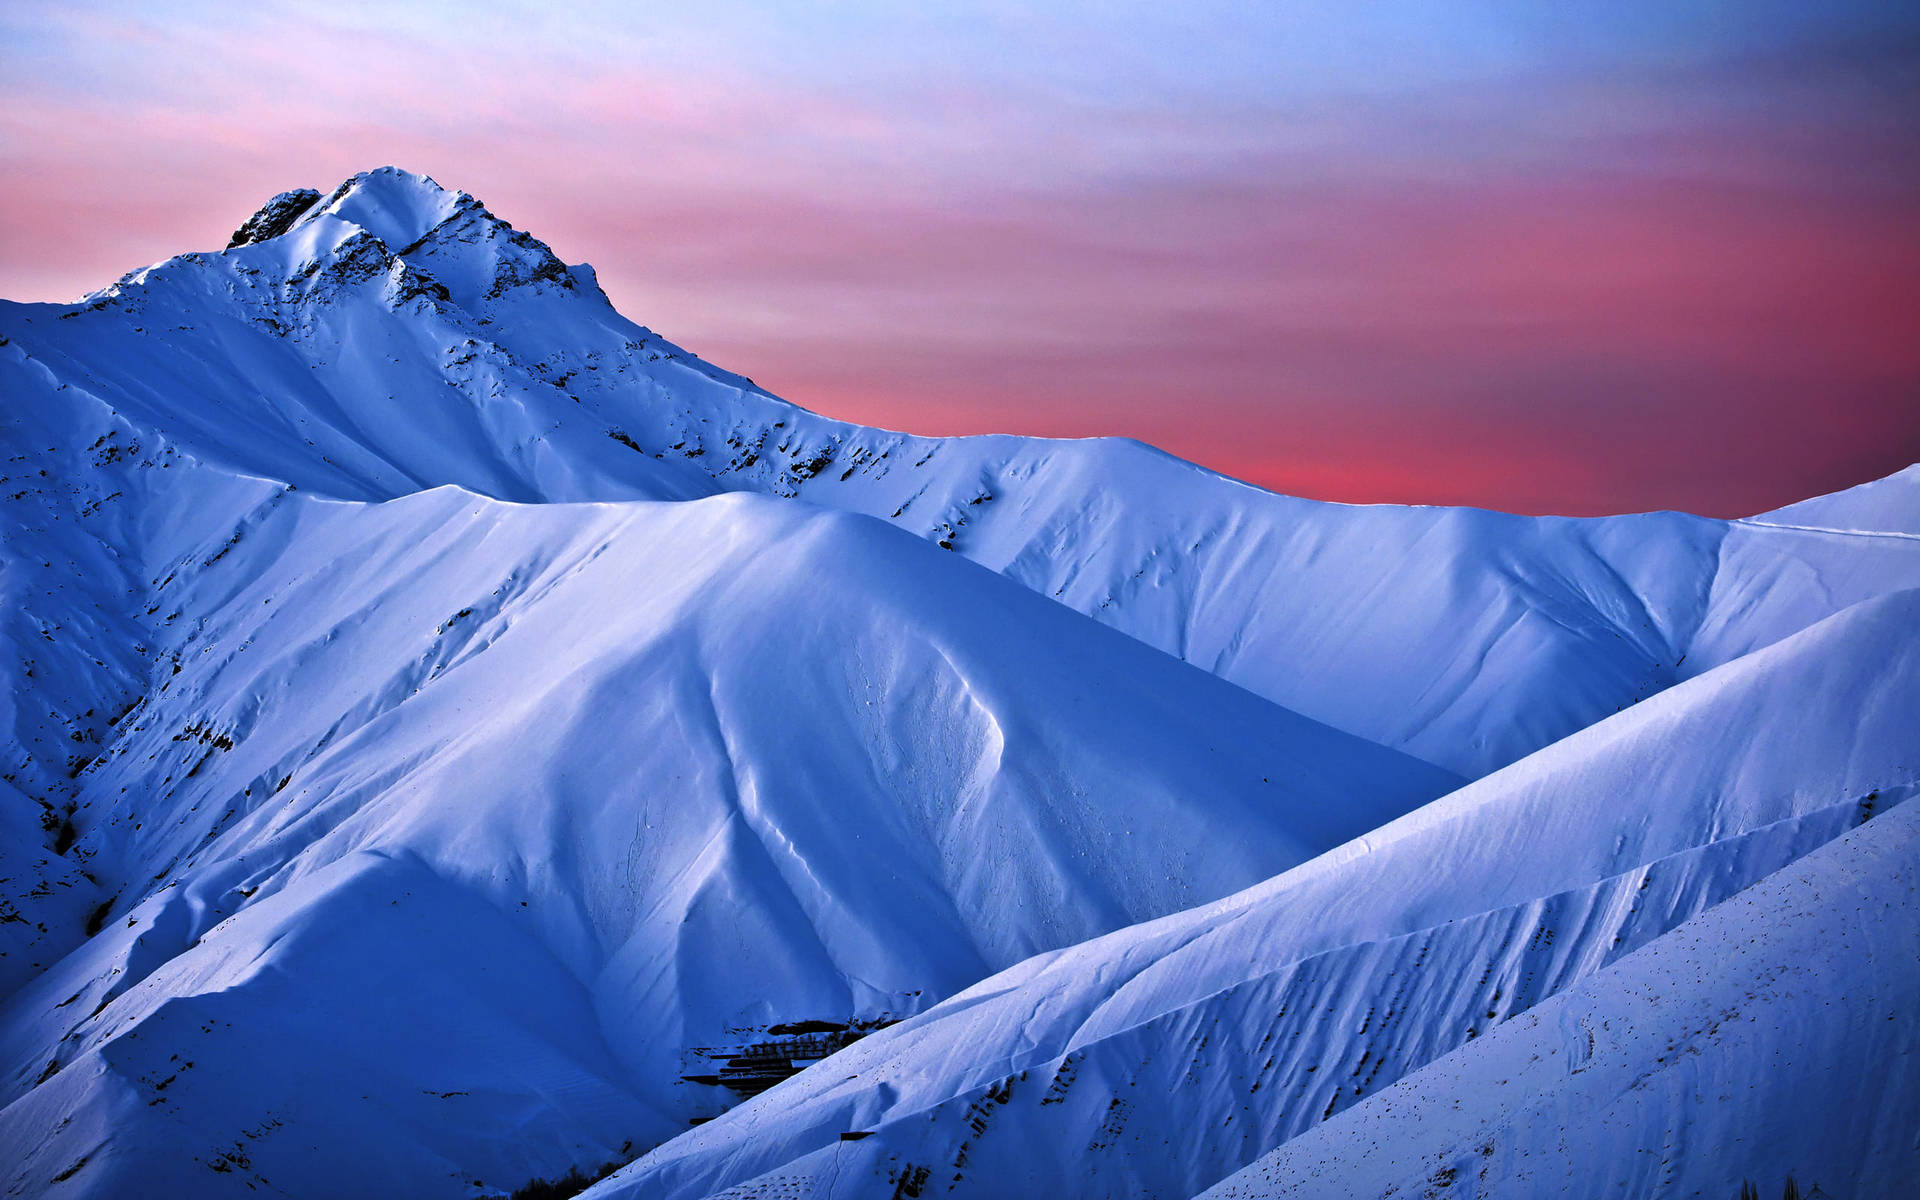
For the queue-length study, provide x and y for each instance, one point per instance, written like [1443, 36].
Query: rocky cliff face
[275, 217]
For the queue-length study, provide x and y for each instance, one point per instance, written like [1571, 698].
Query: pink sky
[1653, 265]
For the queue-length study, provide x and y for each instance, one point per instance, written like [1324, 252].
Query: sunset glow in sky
[1660, 255]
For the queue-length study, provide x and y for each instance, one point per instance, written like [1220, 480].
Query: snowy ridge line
[1246, 1060]
[1899, 791]
[1573, 1095]
[1757, 523]
[1608, 897]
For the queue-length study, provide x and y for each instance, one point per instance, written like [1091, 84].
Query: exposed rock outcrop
[275, 217]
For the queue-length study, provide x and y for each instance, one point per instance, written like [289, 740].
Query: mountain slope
[395, 336]
[459, 831]
[1093, 1071]
[1767, 1040]
[1890, 505]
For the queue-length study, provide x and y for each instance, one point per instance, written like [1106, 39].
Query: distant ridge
[398, 335]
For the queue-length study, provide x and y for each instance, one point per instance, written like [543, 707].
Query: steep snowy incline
[1890, 505]
[1768, 1041]
[396, 336]
[92, 516]
[324, 357]
[1159, 1059]
[435, 840]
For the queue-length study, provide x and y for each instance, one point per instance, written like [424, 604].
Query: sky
[1567, 258]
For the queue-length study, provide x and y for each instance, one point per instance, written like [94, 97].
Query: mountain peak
[398, 207]
[275, 217]
[454, 246]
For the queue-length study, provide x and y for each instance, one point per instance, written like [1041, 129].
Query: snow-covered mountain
[396, 336]
[596, 787]
[458, 735]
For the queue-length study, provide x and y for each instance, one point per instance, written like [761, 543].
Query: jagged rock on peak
[275, 217]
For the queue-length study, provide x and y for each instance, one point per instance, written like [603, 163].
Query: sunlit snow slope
[455, 735]
[1770, 1042]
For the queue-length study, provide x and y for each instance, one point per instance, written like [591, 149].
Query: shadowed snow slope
[399, 336]
[1156, 1060]
[452, 829]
